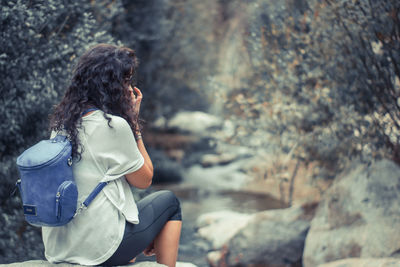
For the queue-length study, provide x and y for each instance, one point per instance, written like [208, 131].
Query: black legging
[155, 210]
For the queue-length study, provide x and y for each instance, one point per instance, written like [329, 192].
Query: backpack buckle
[80, 209]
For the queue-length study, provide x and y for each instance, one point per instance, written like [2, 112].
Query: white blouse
[95, 234]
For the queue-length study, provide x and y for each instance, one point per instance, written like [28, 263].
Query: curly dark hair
[100, 80]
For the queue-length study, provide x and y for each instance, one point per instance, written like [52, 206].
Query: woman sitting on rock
[99, 112]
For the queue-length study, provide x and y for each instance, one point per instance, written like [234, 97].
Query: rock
[224, 154]
[41, 263]
[220, 226]
[214, 257]
[159, 124]
[147, 264]
[38, 263]
[366, 262]
[271, 238]
[359, 216]
[223, 177]
[268, 238]
[180, 264]
[209, 160]
[194, 122]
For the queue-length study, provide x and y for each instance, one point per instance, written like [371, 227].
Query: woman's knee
[170, 198]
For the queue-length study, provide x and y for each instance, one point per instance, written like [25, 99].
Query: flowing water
[199, 197]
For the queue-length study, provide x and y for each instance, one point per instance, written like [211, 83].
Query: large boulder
[359, 216]
[220, 226]
[42, 263]
[272, 238]
[366, 262]
[269, 238]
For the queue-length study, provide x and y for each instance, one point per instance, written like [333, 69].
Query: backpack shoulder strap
[94, 193]
[88, 110]
[59, 138]
[97, 189]
[90, 198]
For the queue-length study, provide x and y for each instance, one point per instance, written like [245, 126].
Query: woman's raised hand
[136, 99]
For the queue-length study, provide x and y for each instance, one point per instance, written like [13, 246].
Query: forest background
[319, 79]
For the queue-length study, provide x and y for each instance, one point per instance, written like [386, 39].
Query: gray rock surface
[41, 263]
[226, 177]
[220, 226]
[272, 238]
[359, 216]
[195, 122]
[366, 262]
[208, 160]
[269, 238]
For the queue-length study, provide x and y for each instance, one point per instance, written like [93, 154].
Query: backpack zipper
[58, 205]
[59, 194]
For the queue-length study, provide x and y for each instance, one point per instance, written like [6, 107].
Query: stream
[206, 190]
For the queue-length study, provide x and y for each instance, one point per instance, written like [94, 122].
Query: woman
[99, 113]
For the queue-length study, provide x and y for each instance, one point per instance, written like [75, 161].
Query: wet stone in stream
[197, 201]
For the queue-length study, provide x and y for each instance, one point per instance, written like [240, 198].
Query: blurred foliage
[175, 41]
[325, 82]
[39, 42]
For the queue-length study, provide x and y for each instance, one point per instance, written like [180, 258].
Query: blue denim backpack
[47, 186]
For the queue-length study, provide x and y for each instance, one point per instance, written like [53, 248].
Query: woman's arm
[143, 177]
[143, 151]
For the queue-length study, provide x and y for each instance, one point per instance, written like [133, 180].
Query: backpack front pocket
[66, 201]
